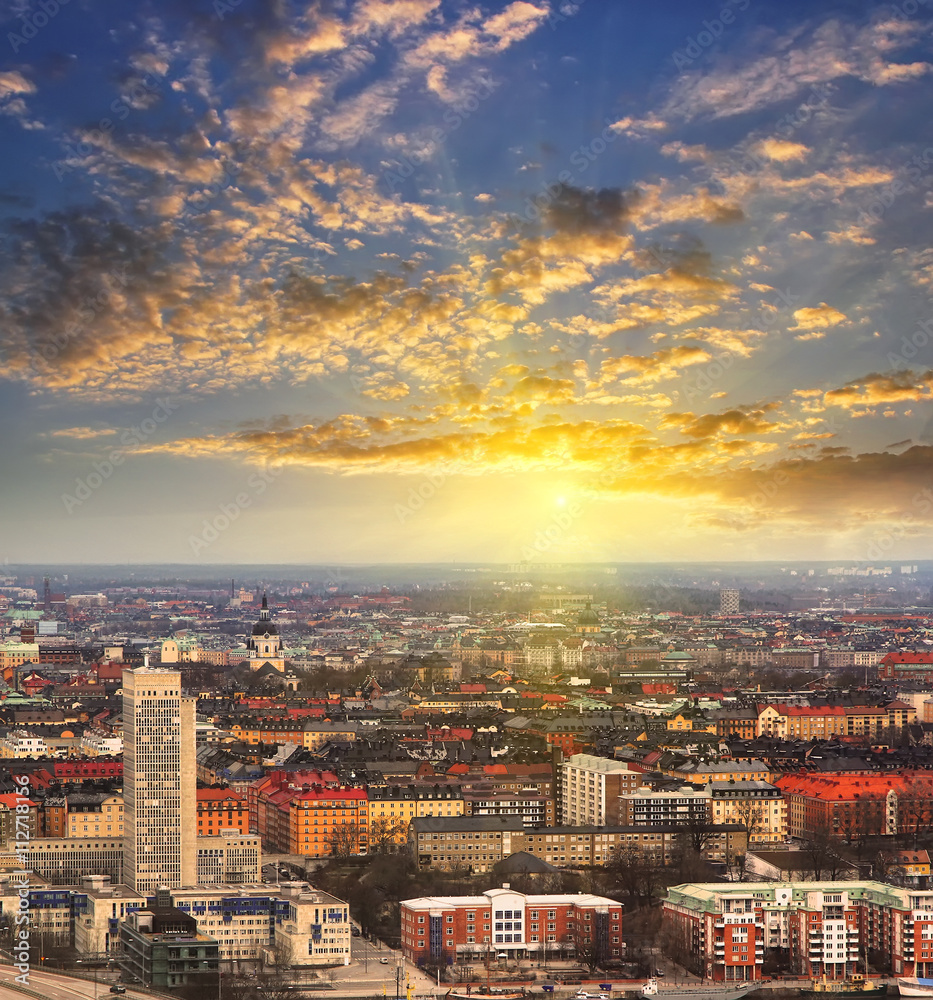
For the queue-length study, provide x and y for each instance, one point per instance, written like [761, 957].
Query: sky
[429, 281]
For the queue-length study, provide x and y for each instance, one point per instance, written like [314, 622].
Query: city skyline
[429, 281]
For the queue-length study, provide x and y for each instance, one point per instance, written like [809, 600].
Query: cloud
[13, 82]
[819, 317]
[876, 388]
[781, 150]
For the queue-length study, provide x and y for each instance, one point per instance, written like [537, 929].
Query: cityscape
[466, 522]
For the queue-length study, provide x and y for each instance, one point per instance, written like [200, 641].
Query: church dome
[264, 626]
[588, 616]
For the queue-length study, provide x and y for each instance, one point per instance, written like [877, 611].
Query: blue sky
[432, 281]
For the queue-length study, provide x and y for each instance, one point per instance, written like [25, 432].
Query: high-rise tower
[728, 602]
[159, 785]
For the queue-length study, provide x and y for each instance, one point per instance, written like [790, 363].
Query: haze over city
[430, 281]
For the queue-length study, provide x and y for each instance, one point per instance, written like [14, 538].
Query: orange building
[309, 812]
[857, 804]
[221, 809]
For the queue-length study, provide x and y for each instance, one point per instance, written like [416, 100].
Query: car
[117, 988]
[355, 931]
[659, 972]
[383, 960]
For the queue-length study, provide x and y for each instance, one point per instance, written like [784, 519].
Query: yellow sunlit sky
[424, 281]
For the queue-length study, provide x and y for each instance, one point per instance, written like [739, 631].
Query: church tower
[265, 646]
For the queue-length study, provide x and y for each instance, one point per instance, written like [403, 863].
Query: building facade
[159, 787]
[445, 930]
[591, 788]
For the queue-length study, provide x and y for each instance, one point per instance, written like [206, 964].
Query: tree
[344, 840]
[821, 850]
[748, 813]
[386, 834]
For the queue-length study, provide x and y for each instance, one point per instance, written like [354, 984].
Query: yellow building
[392, 808]
[755, 805]
[15, 654]
[685, 724]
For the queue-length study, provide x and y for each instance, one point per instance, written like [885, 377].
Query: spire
[264, 611]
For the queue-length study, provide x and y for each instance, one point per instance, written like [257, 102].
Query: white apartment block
[159, 786]
[293, 925]
[231, 857]
[19, 745]
[590, 789]
[100, 743]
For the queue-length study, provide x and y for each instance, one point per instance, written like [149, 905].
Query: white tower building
[159, 783]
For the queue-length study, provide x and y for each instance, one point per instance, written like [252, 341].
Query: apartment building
[447, 929]
[573, 846]
[474, 842]
[757, 806]
[703, 772]
[824, 928]
[393, 807]
[250, 923]
[221, 809]
[857, 804]
[689, 803]
[591, 788]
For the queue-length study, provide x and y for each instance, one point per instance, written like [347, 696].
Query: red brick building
[906, 666]
[444, 930]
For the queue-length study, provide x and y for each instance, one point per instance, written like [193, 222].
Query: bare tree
[344, 840]
[386, 834]
[748, 813]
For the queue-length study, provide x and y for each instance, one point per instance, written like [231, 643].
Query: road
[57, 987]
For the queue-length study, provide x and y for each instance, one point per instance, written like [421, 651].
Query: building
[231, 858]
[393, 807]
[728, 602]
[705, 772]
[159, 787]
[723, 931]
[443, 930]
[488, 800]
[220, 809]
[902, 666]
[687, 804]
[265, 644]
[163, 949]
[573, 846]
[474, 842]
[591, 788]
[19, 745]
[757, 806]
[858, 804]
